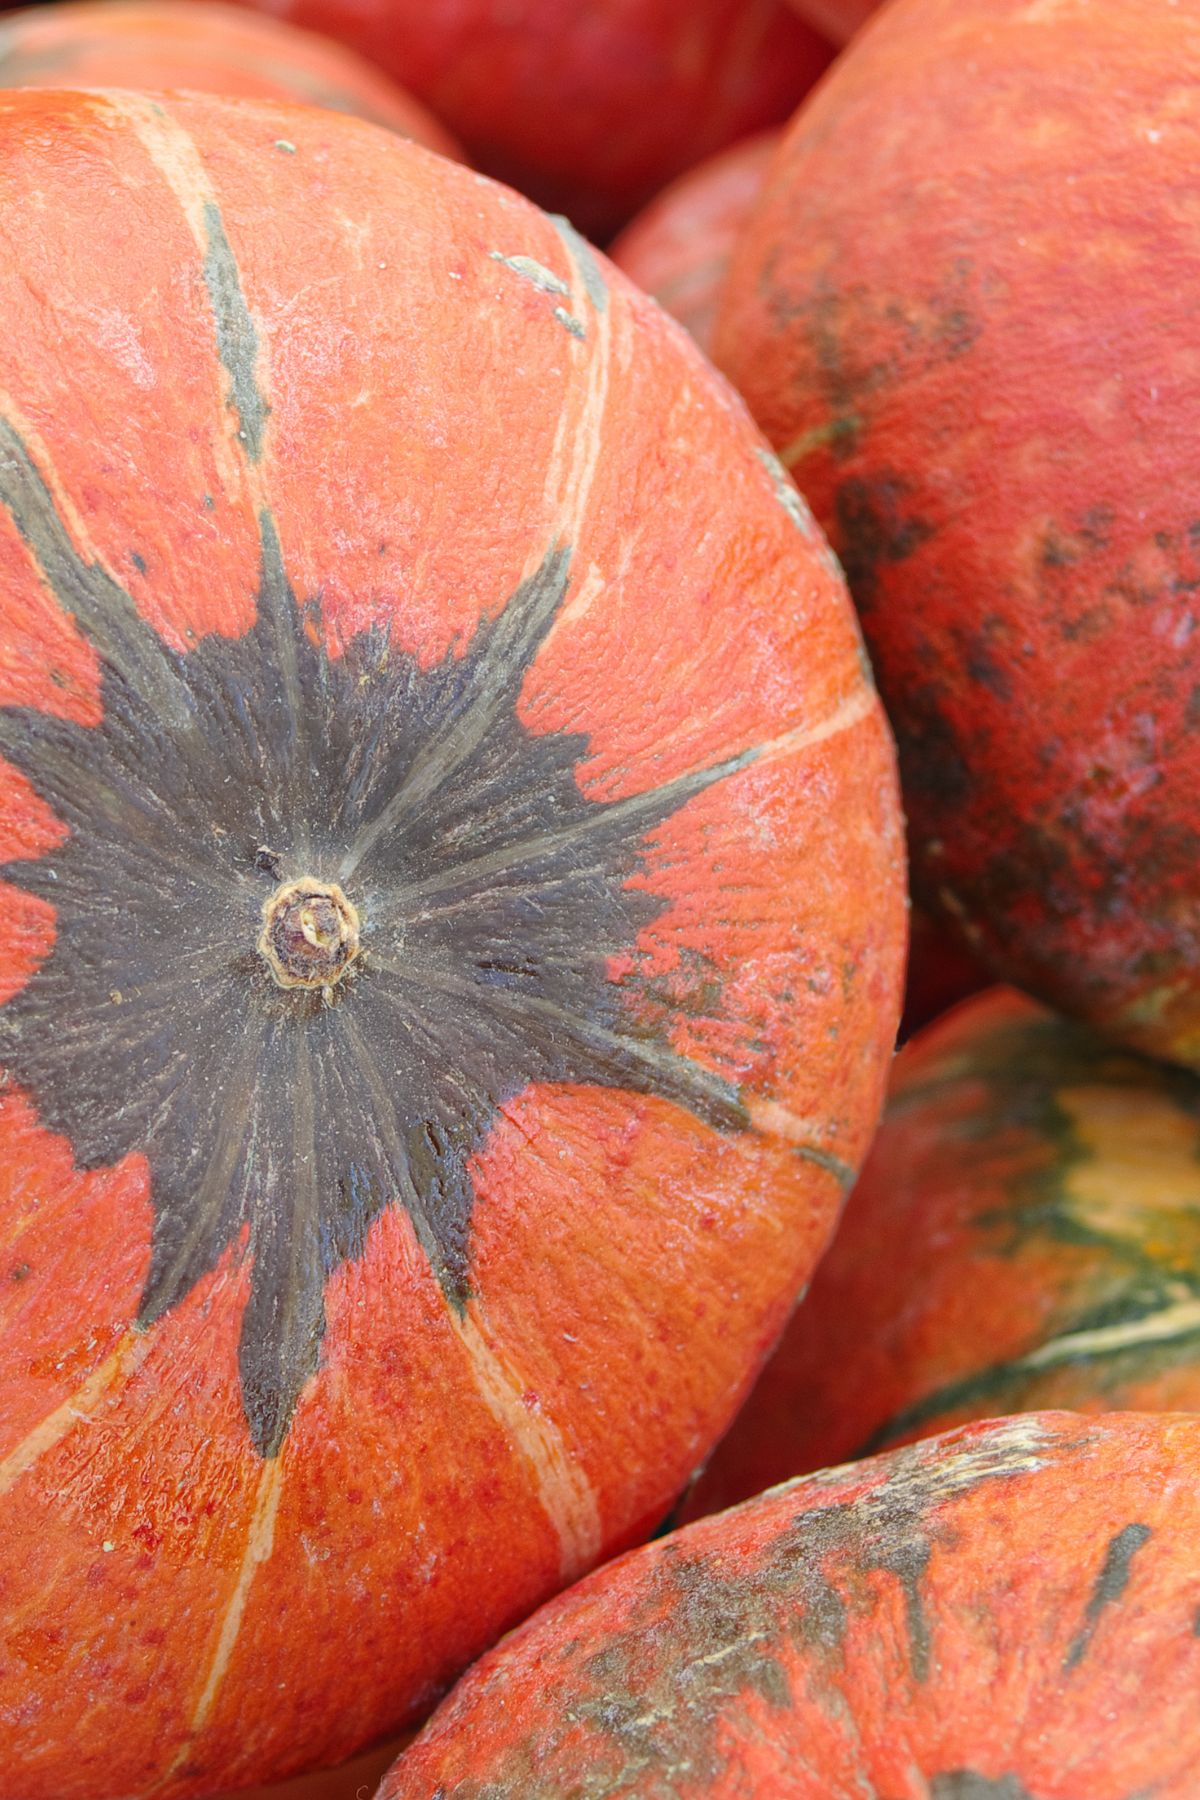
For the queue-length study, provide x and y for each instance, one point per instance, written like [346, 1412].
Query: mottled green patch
[710, 1638]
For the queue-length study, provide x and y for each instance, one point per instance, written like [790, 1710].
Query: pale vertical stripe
[260, 1541]
[563, 1489]
[579, 434]
[173, 152]
[76, 1410]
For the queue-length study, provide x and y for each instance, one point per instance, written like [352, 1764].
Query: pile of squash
[499, 742]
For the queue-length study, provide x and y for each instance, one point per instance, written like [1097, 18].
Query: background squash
[207, 48]
[837, 20]
[960, 313]
[588, 109]
[1003, 1613]
[678, 247]
[1025, 1234]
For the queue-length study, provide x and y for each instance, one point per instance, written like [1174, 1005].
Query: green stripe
[237, 340]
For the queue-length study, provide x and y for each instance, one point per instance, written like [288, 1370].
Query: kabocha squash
[1025, 1234]
[678, 247]
[1004, 1613]
[960, 310]
[589, 109]
[207, 48]
[451, 938]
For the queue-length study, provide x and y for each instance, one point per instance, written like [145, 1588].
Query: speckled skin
[959, 311]
[589, 109]
[1025, 1234]
[678, 247]
[208, 48]
[1004, 1613]
[312, 439]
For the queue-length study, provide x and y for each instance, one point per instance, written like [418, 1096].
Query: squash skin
[941, 972]
[678, 247]
[1003, 1613]
[207, 48]
[588, 110]
[355, 1780]
[838, 20]
[956, 312]
[1025, 1235]
[201, 1592]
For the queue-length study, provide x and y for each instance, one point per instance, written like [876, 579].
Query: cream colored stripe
[74, 1411]
[174, 154]
[566, 1495]
[588, 432]
[260, 1541]
[774, 1120]
[862, 704]
[803, 1135]
[579, 434]
[1180, 1320]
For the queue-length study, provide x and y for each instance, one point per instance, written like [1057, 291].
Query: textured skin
[678, 247]
[249, 338]
[837, 20]
[588, 109]
[1004, 1613]
[959, 313]
[1025, 1234]
[207, 48]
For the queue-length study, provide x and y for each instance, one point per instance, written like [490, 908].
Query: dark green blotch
[1109, 1585]
[876, 529]
[965, 1784]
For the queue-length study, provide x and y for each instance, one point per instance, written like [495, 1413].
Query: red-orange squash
[208, 48]
[1025, 1234]
[590, 109]
[451, 931]
[1007, 1612]
[961, 311]
[678, 247]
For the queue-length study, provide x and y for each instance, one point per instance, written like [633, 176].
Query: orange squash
[1025, 1234]
[960, 312]
[451, 931]
[207, 48]
[1007, 1612]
